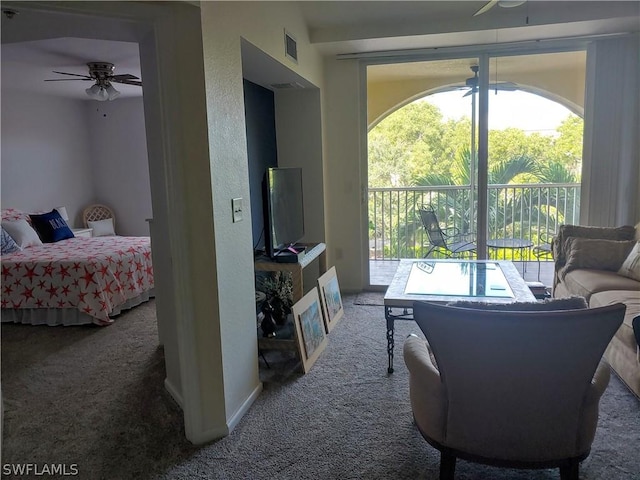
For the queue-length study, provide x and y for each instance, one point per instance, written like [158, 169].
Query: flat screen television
[284, 212]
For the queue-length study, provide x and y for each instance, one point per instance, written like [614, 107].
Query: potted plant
[278, 289]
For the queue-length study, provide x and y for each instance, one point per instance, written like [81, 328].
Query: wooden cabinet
[314, 251]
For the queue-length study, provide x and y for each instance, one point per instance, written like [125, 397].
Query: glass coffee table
[444, 281]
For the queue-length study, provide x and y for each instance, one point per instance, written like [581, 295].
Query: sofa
[602, 264]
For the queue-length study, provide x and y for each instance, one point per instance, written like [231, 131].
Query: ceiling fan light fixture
[102, 74]
[112, 92]
[93, 90]
[102, 92]
[96, 93]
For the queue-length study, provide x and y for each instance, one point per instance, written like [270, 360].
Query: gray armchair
[517, 389]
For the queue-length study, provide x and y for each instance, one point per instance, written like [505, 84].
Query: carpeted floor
[369, 298]
[94, 397]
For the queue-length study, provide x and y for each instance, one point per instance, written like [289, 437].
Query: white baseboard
[174, 393]
[217, 433]
[244, 408]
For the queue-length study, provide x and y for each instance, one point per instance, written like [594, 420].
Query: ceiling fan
[472, 84]
[102, 74]
[502, 3]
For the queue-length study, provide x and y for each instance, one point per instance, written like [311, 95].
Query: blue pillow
[51, 227]
[9, 245]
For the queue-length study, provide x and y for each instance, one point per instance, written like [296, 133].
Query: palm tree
[554, 205]
[455, 206]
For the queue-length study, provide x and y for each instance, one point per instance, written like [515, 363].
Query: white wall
[45, 153]
[299, 140]
[345, 184]
[119, 163]
[223, 25]
[71, 153]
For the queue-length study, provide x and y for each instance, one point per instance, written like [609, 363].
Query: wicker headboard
[97, 212]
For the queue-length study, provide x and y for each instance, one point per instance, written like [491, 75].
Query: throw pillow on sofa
[595, 254]
[631, 266]
[626, 232]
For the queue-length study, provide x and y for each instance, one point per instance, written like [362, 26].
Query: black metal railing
[526, 211]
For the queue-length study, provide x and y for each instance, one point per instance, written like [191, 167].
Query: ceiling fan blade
[74, 75]
[125, 76]
[67, 79]
[126, 82]
[488, 6]
[511, 3]
[506, 86]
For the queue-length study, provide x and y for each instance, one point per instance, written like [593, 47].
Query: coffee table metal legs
[390, 341]
[407, 314]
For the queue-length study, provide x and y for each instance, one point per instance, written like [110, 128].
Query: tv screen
[284, 225]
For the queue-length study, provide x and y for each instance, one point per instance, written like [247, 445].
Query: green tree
[411, 139]
[568, 145]
[413, 146]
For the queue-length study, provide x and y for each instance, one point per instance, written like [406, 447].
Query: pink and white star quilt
[94, 275]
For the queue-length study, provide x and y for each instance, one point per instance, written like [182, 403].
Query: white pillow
[22, 233]
[102, 228]
[631, 266]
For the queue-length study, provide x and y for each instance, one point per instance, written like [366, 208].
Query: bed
[76, 281]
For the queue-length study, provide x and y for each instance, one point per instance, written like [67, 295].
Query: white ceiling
[25, 65]
[34, 44]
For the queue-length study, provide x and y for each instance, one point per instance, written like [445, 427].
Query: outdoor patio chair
[447, 241]
[543, 250]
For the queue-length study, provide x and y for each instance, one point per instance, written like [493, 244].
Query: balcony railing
[527, 211]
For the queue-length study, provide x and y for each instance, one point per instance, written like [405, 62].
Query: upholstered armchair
[517, 389]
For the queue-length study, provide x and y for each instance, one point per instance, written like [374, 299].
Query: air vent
[281, 86]
[290, 47]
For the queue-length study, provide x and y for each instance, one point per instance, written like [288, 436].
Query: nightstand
[82, 232]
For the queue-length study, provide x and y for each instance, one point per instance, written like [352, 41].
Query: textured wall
[62, 152]
[119, 162]
[45, 154]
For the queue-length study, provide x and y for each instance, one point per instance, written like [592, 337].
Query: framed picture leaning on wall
[310, 328]
[330, 298]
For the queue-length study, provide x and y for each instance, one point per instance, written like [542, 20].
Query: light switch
[236, 206]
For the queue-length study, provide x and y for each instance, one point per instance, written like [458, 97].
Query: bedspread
[94, 275]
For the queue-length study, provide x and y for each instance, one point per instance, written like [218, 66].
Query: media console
[313, 251]
[294, 254]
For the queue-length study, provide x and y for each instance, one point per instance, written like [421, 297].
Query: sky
[523, 110]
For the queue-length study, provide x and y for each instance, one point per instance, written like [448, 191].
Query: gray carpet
[94, 397]
[369, 298]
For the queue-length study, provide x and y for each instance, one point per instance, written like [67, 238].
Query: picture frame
[330, 298]
[310, 330]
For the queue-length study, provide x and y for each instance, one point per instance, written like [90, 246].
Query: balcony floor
[381, 272]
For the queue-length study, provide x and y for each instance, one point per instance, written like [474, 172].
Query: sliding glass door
[492, 143]
[534, 158]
